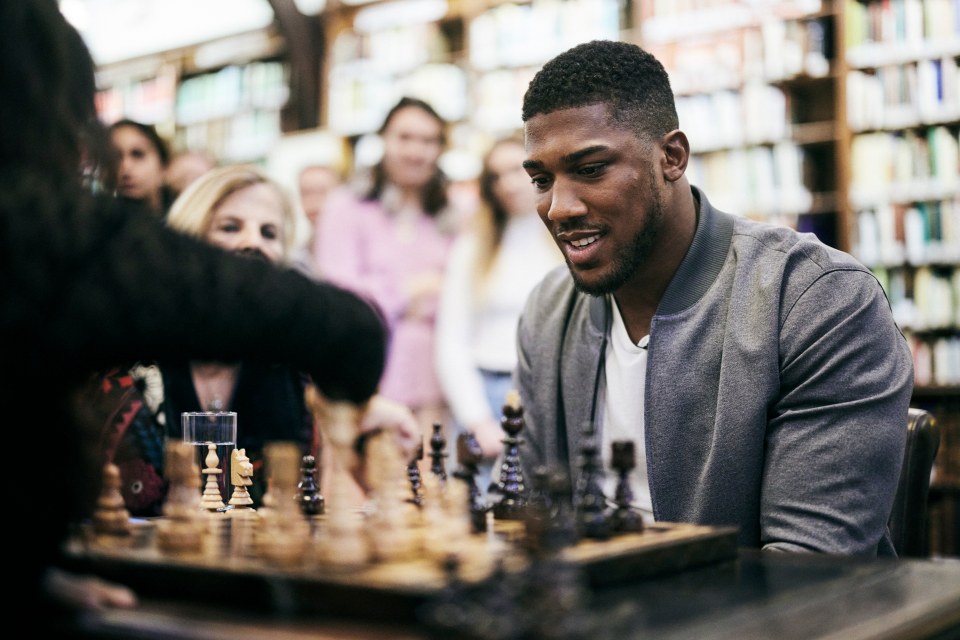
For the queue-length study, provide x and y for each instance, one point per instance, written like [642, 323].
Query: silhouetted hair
[630, 81]
[434, 195]
[48, 118]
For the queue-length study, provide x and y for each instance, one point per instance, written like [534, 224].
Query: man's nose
[565, 202]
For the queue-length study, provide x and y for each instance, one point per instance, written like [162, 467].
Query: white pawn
[212, 500]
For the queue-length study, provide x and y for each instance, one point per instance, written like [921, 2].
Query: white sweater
[477, 330]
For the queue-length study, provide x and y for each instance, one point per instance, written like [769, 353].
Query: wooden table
[782, 596]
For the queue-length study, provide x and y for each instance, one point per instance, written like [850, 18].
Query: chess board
[410, 545]
[391, 590]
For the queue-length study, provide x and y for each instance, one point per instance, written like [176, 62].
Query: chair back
[908, 520]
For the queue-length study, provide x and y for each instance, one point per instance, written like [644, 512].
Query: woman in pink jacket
[389, 241]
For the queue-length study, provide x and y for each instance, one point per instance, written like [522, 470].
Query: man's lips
[581, 246]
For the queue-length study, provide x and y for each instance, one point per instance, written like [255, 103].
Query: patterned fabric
[133, 437]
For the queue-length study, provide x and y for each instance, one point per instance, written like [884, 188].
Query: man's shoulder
[767, 242]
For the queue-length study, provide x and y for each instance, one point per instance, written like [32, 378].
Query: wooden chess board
[383, 590]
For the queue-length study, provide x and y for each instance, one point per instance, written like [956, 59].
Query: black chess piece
[624, 518]
[511, 486]
[589, 500]
[308, 490]
[438, 466]
[469, 456]
[413, 473]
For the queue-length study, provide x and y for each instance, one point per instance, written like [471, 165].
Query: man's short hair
[623, 76]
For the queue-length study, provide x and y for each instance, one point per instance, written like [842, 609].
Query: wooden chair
[908, 520]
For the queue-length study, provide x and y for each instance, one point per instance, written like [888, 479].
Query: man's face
[598, 192]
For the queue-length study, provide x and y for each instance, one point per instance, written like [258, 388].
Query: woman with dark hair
[389, 241]
[493, 266]
[85, 282]
[141, 158]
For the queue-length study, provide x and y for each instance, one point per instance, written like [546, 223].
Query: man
[759, 372]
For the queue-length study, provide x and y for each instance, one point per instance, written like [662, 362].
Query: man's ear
[676, 153]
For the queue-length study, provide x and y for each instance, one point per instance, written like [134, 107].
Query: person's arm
[835, 439]
[457, 370]
[121, 286]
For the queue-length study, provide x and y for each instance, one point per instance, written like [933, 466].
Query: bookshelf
[759, 86]
[224, 96]
[904, 116]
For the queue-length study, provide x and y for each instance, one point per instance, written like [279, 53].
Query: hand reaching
[490, 436]
[382, 414]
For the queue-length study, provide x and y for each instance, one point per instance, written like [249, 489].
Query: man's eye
[591, 170]
[540, 182]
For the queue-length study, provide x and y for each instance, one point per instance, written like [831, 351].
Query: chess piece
[469, 456]
[446, 518]
[413, 474]
[589, 500]
[341, 541]
[181, 529]
[308, 491]
[511, 487]
[285, 533]
[624, 518]
[391, 529]
[111, 518]
[241, 477]
[243, 517]
[437, 454]
[212, 500]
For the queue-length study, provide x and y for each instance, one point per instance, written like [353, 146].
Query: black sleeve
[86, 287]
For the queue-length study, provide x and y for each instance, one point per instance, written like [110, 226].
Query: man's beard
[627, 263]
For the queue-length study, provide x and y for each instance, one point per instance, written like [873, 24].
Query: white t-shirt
[625, 371]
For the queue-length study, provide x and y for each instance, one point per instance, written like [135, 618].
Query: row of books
[915, 164]
[905, 95]
[911, 22]
[936, 362]
[243, 137]
[767, 51]
[922, 233]
[149, 99]
[231, 90]
[726, 119]
[759, 181]
[925, 300]
[357, 104]
[514, 35]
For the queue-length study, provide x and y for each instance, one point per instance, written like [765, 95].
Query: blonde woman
[492, 268]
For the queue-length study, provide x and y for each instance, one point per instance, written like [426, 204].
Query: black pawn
[511, 485]
[625, 518]
[413, 473]
[308, 491]
[590, 502]
[469, 455]
[437, 454]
